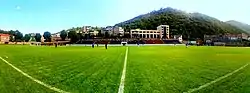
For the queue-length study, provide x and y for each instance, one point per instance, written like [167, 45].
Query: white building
[95, 33]
[108, 29]
[138, 33]
[161, 32]
[42, 39]
[118, 31]
[164, 31]
[56, 34]
[86, 29]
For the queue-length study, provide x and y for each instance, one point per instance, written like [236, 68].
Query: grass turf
[149, 69]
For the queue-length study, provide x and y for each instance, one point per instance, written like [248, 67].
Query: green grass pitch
[150, 69]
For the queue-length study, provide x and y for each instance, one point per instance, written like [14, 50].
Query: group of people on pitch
[106, 45]
[93, 45]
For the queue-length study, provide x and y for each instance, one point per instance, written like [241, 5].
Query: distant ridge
[193, 25]
[243, 26]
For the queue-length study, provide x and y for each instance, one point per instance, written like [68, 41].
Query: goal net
[124, 43]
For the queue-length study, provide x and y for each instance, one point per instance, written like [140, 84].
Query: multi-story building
[161, 32]
[93, 33]
[245, 36]
[138, 33]
[32, 34]
[86, 29]
[56, 36]
[113, 30]
[164, 31]
[108, 29]
[4, 37]
[118, 31]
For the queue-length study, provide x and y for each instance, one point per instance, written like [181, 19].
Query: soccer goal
[124, 43]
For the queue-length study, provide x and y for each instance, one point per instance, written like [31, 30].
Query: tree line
[74, 34]
[17, 36]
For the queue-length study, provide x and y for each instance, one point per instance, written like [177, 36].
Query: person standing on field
[93, 45]
[55, 45]
[106, 45]
[138, 43]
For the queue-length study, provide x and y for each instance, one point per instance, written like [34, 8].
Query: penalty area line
[216, 80]
[121, 87]
[34, 79]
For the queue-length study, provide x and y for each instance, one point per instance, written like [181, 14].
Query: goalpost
[124, 43]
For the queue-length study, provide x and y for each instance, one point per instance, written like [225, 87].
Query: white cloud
[18, 7]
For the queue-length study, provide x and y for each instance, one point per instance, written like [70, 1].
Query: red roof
[4, 35]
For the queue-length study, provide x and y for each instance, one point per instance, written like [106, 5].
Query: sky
[30, 16]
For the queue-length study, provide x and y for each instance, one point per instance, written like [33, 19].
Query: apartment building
[108, 29]
[4, 37]
[118, 31]
[86, 29]
[138, 33]
[161, 32]
[164, 31]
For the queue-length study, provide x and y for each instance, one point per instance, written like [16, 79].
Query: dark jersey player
[186, 45]
[56, 45]
[106, 45]
[93, 45]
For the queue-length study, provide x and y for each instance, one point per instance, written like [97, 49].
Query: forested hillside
[242, 26]
[192, 25]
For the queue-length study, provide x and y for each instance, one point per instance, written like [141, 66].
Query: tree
[12, 38]
[80, 36]
[18, 36]
[63, 34]
[38, 37]
[86, 36]
[47, 36]
[11, 32]
[106, 34]
[73, 36]
[99, 33]
[26, 37]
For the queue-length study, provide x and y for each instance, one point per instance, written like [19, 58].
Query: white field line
[216, 80]
[34, 79]
[121, 87]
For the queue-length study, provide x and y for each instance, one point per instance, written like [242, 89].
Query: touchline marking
[34, 79]
[216, 80]
[121, 87]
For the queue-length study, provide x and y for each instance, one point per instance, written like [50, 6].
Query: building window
[151, 36]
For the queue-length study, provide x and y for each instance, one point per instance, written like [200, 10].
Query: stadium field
[149, 69]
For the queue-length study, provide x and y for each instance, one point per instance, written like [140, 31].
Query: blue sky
[54, 15]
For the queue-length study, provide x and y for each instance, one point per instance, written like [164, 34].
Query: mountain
[192, 25]
[243, 26]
